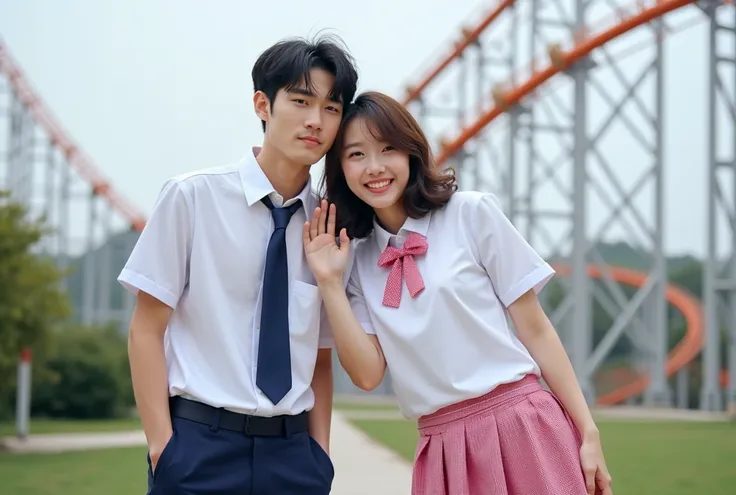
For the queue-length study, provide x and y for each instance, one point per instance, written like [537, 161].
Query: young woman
[434, 274]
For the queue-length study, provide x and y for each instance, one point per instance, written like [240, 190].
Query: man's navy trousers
[214, 451]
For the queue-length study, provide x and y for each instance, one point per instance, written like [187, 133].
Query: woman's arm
[538, 335]
[360, 354]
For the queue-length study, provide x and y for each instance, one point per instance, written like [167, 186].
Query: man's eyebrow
[302, 91]
[309, 92]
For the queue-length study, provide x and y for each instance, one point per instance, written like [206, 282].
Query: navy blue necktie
[273, 375]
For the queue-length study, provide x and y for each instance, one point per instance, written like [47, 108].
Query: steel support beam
[719, 279]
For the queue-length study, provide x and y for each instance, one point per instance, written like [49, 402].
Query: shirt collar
[256, 185]
[417, 225]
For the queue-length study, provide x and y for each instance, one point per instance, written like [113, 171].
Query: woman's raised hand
[326, 259]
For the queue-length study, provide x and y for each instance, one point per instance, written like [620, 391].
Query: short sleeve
[513, 266]
[357, 301]
[159, 262]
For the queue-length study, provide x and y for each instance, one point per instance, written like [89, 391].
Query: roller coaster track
[561, 61]
[690, 346]
[60, 138]
[469, 36]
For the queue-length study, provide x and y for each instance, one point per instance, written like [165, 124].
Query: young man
[230, 357]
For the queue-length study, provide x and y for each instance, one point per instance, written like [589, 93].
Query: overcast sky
[151, 89]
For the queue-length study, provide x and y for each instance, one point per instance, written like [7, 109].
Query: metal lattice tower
[93, 228]
[560, 108]
[720, 269]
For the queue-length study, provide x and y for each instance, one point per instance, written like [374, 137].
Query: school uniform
[436, 295]
[242, 340]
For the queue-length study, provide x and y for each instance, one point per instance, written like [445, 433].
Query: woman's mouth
[378, 186]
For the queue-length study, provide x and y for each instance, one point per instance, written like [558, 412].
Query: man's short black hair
[286, 65]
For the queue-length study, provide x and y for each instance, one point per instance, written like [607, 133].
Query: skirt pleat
[485, 465]
[516, 440]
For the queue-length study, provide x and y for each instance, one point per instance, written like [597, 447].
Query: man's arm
[320, 417]
[148, 371]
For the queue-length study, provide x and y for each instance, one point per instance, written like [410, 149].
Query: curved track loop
[689, 347]
[685, 351]
[76, 157]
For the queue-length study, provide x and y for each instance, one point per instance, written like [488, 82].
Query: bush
[84, 374]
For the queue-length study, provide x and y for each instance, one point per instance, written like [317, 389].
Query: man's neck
[286, 177]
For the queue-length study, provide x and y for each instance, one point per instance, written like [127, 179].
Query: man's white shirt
[203, 253]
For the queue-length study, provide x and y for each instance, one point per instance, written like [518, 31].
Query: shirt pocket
[304, 311]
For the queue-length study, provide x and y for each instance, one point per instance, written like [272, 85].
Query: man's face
[302, 123]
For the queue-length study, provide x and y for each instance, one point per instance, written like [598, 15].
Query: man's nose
[314, 119]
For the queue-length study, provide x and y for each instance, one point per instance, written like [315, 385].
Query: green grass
[41, 426]
[110, 471]
[672, 458]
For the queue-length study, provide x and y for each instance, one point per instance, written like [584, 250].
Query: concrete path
[65, 442]
[362, 466]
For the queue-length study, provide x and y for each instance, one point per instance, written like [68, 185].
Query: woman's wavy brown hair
[388, 121]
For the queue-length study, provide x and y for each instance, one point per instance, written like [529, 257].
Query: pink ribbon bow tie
[402, 260]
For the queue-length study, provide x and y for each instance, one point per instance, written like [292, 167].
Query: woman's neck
[392, 218]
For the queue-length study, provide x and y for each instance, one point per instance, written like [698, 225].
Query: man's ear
[261, 105]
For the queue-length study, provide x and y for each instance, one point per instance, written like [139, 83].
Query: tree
[31, 300]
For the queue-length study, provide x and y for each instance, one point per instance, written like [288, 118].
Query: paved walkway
[362, 467]
[65, 442]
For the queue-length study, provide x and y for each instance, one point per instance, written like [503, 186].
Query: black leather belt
[250, 425]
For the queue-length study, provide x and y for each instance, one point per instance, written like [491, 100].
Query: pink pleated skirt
[515, 440]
